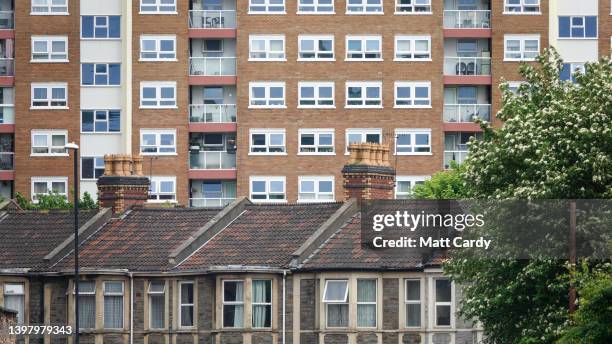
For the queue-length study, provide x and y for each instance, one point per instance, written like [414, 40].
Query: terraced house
[247, 273]
[260, 98]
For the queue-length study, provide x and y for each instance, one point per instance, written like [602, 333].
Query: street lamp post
[73, 146]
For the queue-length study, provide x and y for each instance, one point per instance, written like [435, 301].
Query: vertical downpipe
[284, 302]
[131, 308]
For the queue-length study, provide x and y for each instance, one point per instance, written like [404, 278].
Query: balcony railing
[212, 113]
[467, 66]
[209, 202]
[462, 113]
[6, 161]
[461, 19]
[212, 161]
[6, 20]
[212, 66]
[221, 19]
[7, 114]
[7, 67]
[457, 156]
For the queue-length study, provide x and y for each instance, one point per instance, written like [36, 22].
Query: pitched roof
[140, 241]
[262, 236]
[26, 237]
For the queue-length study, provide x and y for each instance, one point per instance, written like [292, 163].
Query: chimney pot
[368, 174]
[122, 186]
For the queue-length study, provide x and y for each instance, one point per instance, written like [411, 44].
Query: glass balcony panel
[6, 161]
[465, 113]
[212, 161]
[467, 19]
[212, 19]
[468, 66]
[212, 66]
[212, 113]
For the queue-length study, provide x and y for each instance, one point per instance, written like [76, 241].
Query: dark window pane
[87, 168]
[87, 27]
[87, 74]
[114, 71]
[87, 118]
[114, 121]
[114, 23]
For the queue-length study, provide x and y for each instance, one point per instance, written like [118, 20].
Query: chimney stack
[368, 174]
[123, 185]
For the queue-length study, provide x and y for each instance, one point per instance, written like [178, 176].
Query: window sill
[157, 13]
[363, 107]
[265, 13]
[578, 38]
[306, 201]
[100, 133]
[364, 13]
[316, 60]
[515, 60]
[159, 154]
[363, 60]
[413, 13]
[412, 60]
[49, 61]
[414, 154]
[49, 13]
[267, 60]
[266, 107]
[315, 154]
[267, 154]
[522, 13]
[49, 155]
[316, 107]
[412, 107]
[315, 13]
[113, 39]
[259, 201]
[157, 60]
[49, 108]
[157, 107]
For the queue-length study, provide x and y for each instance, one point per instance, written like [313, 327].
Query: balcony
[6, 161]
[211, 193]
[466, 113]
[7, 14]
[467, 19]
[210, 160]
[210, 202]
[467, 66]
[7, 107]
[212, 66]
[212, 113]
[212, 19]
[457, 156]
[456, 147]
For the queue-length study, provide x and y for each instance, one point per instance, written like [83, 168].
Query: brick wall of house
[7, 318]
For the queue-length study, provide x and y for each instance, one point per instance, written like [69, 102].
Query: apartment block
[260, 98]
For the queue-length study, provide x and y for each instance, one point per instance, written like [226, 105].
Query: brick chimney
[368, 174]
[123, 185]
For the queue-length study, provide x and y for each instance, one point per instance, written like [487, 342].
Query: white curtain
[261, 311]
[157, 303]
[87, 311]
[337, 315]
[366, 313]
[113, 311]
[16, 303]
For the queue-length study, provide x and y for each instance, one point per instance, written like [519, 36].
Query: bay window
[87, 304]
[233, 304]
[366, 303]
[14, 299]
[335, 298]
[261, 304]
[186, 304]
[157, 304]
[413, 302]
[113, 305]
[442, 302]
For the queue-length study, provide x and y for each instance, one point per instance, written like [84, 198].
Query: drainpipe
[284, 302]
[131, 308]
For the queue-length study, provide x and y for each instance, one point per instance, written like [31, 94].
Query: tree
[54, 201]
[442, 185]
[555, 143]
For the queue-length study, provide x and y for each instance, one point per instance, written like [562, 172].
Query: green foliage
[442, 185]
[54, 201]
[555, 143]
[87, 202]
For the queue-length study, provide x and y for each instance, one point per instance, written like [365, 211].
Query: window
[412, 48]
[521, 48]
[270, 189]
[316, 48]
[92, 167]
[49, 49]
[363, 135]
[186, 304]
[49, 142]
[157, 6]
[49, 96]
[315, 6]
[87, 304]
[316, 189]
[266, 48]
[262, 303]
[316, 95]
[158, 48]
[578, 27]
[363, 48]
[412, 94]
[49, 7]
[335, 298]
[100, 27]
[522, 6]
[316, 141]
[570, 69]
[267, 95]
[267, 141]
[47, 186]
[443, 301]
[364, 6]
[266, 6]
[513, 86]
[100, 74]
[413, 142]
[364, 94]
[158, 95]
[157, 304]
[162, 189]
[366, 303]
[100, 121]
[113, 305]
[405, 184]
[412, 6]
[158, 142]
[14, 299]
[233, 304]
[413, 302]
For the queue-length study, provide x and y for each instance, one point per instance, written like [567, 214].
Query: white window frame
[107, 26]
[158, 4]
[364, 85]
[233, 303]
[157, 51]
[87, 293]
[316, 51]
[158, 180]
[435, 303]
[158, 85]
[96, 73]
[363, 132]
[317, 99]
[267, 5]
[95, 167]
[49, 86]
[158, 133]
[49, 134]
[181, 304]
[50, 6]
[327, 301]
[267, 86]
[317, 193]
[95, 120]
[267, 180]
[412, 7]
[413, 145]
[267, 51]
[375, 303]
[49, 181]
[151, 294]
[521, 6]
[364, 8]
[364, 51]
[513, 86]
[19, 288]
[317, 133]
[583, 27]
[412, 85]
[105, 293]
[267, 146]
[521, 39]
[413, 180]
[414, 302]
[49, 40]
[253, 303]
[315, 5]
[413, 50]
